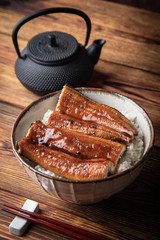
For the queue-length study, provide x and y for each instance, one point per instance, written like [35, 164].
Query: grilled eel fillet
[64, 121]
[73, 103]
[76, 144]
[64, 164]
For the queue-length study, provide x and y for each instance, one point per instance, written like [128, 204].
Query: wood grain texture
[130, 65]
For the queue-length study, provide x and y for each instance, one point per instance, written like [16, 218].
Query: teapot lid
[52, 47]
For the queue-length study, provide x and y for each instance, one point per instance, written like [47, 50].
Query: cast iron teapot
[53, 59]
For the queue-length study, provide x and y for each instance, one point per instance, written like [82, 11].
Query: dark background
[152, 5]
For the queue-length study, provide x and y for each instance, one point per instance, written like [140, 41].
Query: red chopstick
[61, 227]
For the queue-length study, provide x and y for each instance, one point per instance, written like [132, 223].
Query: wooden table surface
[130, 65]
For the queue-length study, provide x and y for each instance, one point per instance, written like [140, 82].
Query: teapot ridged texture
[43, 79]
[42, 49]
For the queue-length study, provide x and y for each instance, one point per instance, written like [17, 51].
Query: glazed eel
[72, 155]
[76, 144]
[73, 103]
[64, 121]
[64, 164]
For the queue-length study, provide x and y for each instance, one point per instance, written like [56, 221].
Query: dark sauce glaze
[68, 122]
[65, 165]
[75, 104]
[79, 145]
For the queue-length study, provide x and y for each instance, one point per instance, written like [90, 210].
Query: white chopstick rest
[19, 225]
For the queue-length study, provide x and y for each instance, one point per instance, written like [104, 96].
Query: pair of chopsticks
[56, 225]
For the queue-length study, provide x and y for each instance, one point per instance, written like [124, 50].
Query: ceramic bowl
[87, 192]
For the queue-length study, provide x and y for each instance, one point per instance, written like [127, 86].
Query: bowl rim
[108, 178]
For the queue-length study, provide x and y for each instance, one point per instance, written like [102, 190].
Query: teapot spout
[94, 50]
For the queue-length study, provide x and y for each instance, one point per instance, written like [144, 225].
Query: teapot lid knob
[51, 48]
[52, 39]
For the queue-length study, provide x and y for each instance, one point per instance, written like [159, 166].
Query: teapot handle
[44, 12]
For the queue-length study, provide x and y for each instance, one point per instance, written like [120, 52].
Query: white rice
[132, 154]
[43, 170]
[46, 116]
[135, 149]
